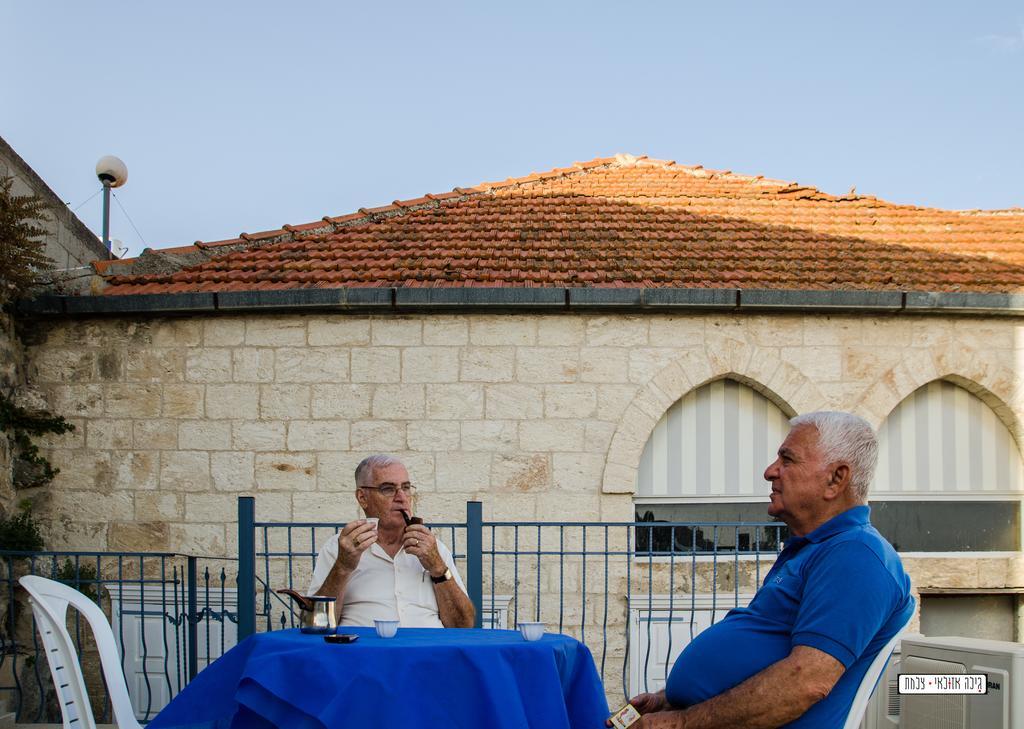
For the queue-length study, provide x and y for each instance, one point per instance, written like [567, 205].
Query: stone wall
[538, 417]
[11, 363]
[68, 241]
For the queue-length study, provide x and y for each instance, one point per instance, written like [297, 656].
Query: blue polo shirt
[840, 589]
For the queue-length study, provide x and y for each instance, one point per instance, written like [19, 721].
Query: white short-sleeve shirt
[382, 588]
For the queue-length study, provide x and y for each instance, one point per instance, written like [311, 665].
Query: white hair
[367, 467]
[849, 438]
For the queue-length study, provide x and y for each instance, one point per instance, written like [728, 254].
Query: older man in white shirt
[390, 570]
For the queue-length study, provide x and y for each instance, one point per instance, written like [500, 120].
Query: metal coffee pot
[316, 612]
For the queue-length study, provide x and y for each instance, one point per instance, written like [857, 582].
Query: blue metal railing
[606, 583]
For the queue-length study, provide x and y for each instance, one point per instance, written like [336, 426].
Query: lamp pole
[106, 180]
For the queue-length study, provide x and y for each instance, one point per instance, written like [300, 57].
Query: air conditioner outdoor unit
[883, 710]
[1001, 707]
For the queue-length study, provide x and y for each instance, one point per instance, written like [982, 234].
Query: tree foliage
[22, 260]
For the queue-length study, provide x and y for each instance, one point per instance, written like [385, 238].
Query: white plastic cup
[386, 628]
[531, 631]
[372, 520]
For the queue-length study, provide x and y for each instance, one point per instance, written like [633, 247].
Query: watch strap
[443, 578]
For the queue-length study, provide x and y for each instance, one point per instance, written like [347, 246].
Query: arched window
[949, 476]
[704, 462]
[713, 443]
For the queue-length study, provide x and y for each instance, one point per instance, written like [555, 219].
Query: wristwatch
[443, 578]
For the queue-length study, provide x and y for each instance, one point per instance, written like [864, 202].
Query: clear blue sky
[239, 116]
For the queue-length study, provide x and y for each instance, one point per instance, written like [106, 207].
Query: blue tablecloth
[420, 678]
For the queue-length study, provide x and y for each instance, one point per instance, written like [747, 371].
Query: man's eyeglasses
[388, 490]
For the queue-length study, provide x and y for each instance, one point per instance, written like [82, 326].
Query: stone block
[223, 332]
[70, 535]
[551, 435]
[135, 470]
[597, 436]
[676, 331]
[460, 472]
[176, 332]
[446, 331]
[834, 331]
[932, 332]
[619, 479]
[93, 506]
[319, 365]
[342, 401]
[285, 471]
[570, 401]
[430, 364]
[155, 365]
[495, 436]
[208, 365]
[377, 364]
[520, 473]
[514, 402]
[216, 508]
[434, 435]
[205, 539]
[138, 536]
[511, 507]
[313, 435]
[503, 330]
[396, 331]
[578, 473]
[455, 402]
[269, 507]
[604, 364]
[204, 435]
[338, 331]
[398, 402]
[76, 400]
[377, 436]
[336, 475]
[157, 507]
[777, 330]
[985, 335]
[316, 508]
[820, 364]
[547, 364]
[183, 401]
[284, 402]
[889, 331]
[561, 331]
[233, 471]
[617, 331]
[252, 365]
[232, 402]
[258, 435]
[185, 470]
[133, 401]
[488, 364]
[63, 365]
[556, 506]
[275, 331]
[108, 434]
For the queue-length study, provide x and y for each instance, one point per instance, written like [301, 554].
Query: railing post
[475, 558]
[192, 620]
[246, 567]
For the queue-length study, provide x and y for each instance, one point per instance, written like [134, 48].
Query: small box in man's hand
[625, 717]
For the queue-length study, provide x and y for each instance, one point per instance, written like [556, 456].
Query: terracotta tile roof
[615, 222]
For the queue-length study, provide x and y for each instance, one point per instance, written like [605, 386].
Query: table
[423, 677]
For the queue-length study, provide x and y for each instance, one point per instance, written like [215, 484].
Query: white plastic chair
[50, 602]
[870, 680]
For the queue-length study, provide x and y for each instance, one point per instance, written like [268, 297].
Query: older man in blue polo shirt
[836, 595]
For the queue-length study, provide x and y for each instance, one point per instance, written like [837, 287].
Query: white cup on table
[531, 631]
[386, 628]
